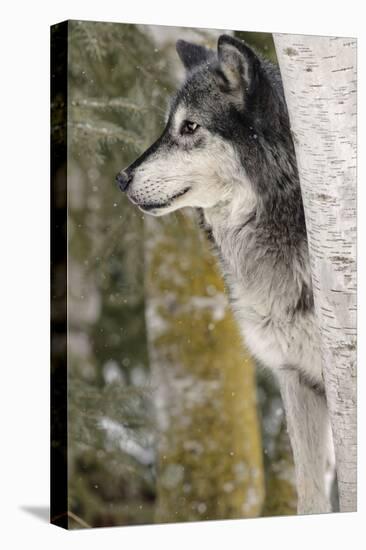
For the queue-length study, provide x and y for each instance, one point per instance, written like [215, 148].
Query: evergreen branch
[91, 40]
[74, 517]
[78, 520]
[104, 104]
[111, 131]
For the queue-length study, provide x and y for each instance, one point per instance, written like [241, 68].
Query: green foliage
[261, 41]
[281, 498]
[110, 428]
[112, 70]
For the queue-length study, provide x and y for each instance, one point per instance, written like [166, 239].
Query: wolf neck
[228, 226]
[255, 239]
[230, 215]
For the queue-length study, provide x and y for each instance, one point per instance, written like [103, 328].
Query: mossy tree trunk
[209, 445]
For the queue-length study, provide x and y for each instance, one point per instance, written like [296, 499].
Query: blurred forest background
[168, 419]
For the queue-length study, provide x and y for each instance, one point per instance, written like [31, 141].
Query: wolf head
[227, 130]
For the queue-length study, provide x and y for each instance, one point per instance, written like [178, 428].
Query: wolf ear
[192, 55]
[238, 62]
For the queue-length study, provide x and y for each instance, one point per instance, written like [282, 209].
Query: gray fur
[234, 162]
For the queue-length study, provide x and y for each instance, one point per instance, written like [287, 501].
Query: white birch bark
[319, 78]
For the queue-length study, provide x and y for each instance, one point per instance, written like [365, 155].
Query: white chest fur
[264, 291]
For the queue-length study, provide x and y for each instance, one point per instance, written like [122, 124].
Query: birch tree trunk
[319, 78]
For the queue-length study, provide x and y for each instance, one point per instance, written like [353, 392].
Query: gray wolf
[227, 151]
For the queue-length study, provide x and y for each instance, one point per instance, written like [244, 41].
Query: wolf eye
[188, 127]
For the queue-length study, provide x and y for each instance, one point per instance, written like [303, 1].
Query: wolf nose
[123, 180]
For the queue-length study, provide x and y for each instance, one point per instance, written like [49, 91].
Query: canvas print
[203, 230]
